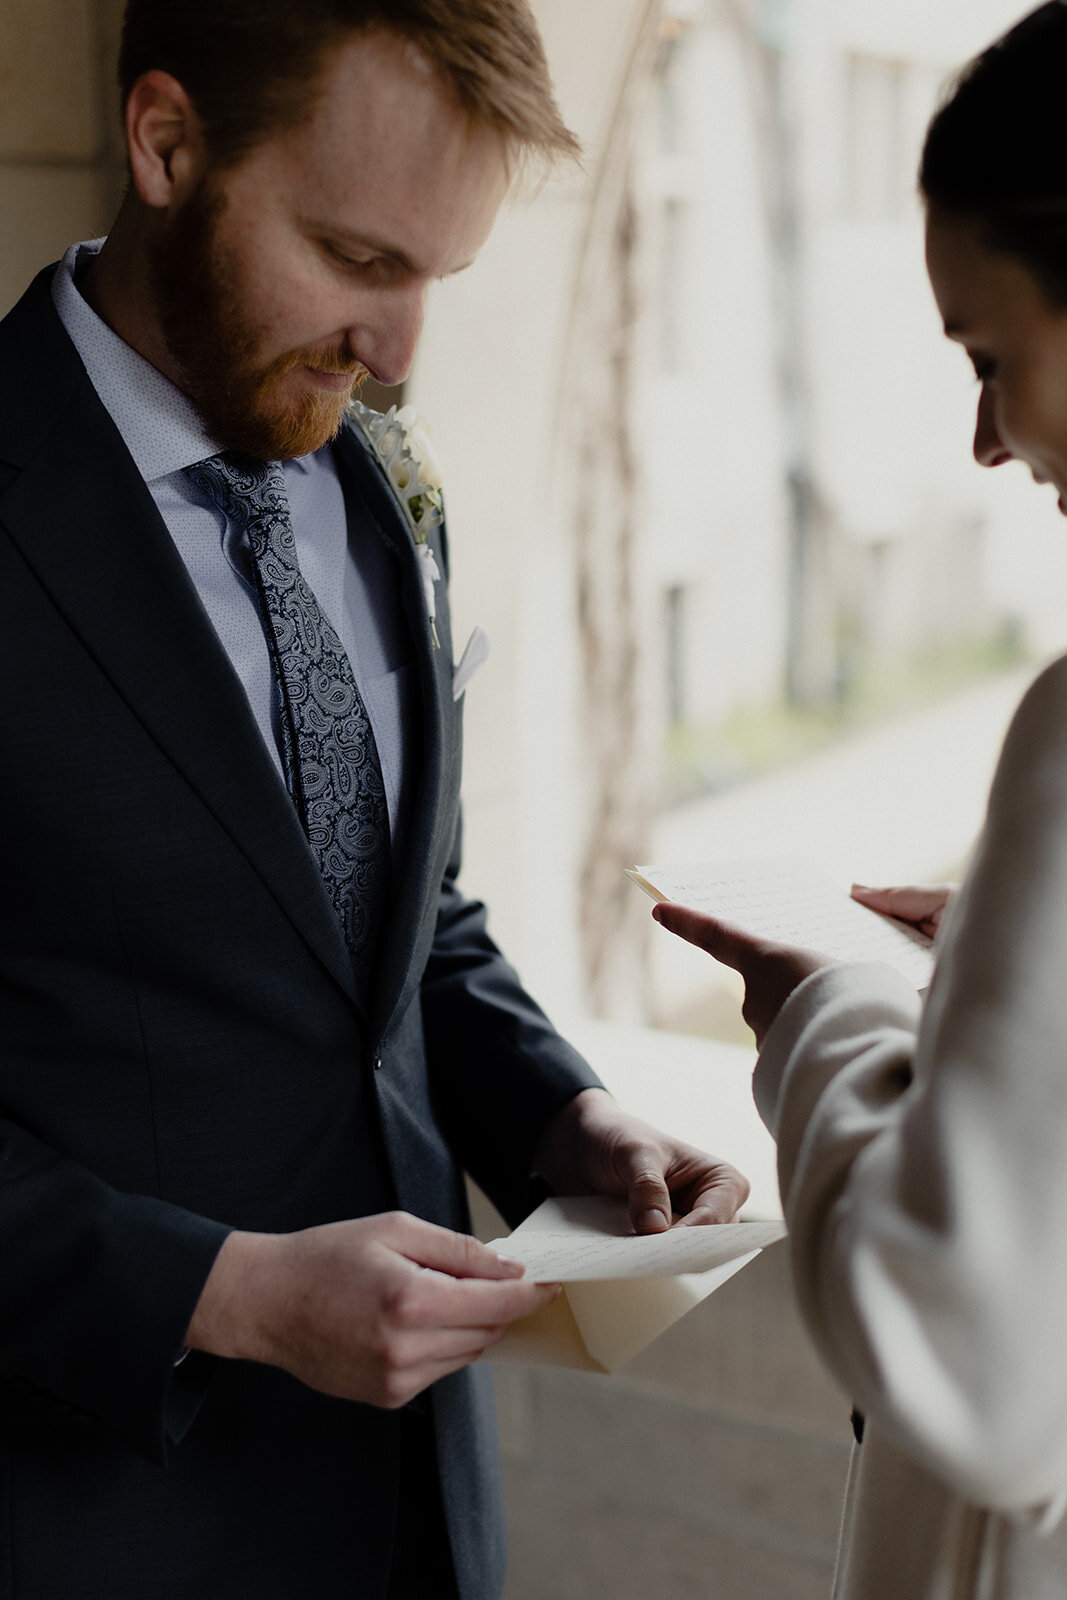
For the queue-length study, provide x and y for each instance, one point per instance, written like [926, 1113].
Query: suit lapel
[417, 877]
[87, 526]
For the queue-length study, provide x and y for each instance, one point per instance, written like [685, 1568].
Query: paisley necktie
[329, 754]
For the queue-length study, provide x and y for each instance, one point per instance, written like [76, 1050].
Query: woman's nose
[989, 449]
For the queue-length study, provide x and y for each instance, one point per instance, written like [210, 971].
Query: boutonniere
[410, 462]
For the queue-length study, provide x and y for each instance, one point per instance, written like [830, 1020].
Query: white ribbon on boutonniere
[410, 462]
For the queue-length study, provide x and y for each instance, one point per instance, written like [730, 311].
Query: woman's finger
[920, 904]
[730, 945]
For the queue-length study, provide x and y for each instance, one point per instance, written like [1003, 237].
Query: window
[879, 158]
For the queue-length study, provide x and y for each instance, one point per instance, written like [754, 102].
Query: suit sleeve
[498, 1068]
[923, 1158]
[99, 1288]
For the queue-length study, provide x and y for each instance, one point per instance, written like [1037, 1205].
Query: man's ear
[163, 138]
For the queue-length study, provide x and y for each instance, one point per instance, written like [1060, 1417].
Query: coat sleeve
[99, 1288]
[498, 1069]
[923, 1158]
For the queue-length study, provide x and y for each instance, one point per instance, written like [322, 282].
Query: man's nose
[385, 341]
[989, 449]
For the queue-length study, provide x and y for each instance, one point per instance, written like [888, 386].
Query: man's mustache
[335, 364]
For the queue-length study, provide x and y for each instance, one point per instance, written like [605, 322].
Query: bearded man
[252, 1031]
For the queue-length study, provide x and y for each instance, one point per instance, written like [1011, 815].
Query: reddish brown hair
[249, 65]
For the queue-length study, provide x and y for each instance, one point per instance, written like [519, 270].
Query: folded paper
[792, 902]
[621, 1291]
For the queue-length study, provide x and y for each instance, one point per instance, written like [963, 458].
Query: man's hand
[592, 1147]
[921, 906]
[375, 1310]
[771, 971]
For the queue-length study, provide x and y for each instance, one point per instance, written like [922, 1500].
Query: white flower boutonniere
[403, 447]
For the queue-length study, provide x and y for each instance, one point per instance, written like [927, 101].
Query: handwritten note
[794, 903]
[594, 1240]
[620, 1291]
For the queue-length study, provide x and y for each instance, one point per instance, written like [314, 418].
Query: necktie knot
[250, 493]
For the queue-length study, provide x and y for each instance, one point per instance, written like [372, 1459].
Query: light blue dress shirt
[349, 571]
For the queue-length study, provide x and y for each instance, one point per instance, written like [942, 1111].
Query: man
[252, 1031]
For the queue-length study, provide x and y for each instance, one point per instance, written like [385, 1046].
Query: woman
[923, 1151]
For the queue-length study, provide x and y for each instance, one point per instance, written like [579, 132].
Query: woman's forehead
[974, 284]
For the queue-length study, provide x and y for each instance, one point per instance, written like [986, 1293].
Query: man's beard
[214, 347]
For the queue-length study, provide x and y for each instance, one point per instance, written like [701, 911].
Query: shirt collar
[159, 424]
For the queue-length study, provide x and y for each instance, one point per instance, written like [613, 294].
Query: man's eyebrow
[380, 247]
[365, 241]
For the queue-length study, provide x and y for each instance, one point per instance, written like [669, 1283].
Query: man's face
[281, 281]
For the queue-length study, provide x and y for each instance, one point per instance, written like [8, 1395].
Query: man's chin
[282, 435]
[316, 425]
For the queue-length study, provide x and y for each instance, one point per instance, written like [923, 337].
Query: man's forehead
[378, 83]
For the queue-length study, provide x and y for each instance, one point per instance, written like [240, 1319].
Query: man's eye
[354, 263]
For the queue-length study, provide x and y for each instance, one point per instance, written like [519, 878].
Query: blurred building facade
[836, 513]
[722, 448]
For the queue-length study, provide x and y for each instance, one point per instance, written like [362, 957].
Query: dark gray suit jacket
[182, 1052]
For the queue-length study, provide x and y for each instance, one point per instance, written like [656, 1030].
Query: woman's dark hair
[996, 152]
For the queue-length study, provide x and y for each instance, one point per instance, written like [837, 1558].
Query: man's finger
[418, 1377]
[720, 1202]
[446, 1302]
[449, 1344]
[432, 1371]
[641, 1169]
[458, 1254]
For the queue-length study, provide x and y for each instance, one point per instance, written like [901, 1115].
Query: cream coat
[923, 1169]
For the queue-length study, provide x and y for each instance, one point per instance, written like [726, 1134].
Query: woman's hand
[771, 971]
[920, 905]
